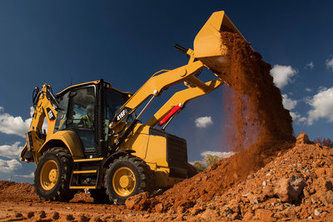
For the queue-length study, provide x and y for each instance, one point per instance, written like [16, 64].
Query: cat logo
[50, 114]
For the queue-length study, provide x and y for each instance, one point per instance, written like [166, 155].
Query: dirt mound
[17, 191]
[211, 183]
[295, 185]
[258, 127]
[25, 192]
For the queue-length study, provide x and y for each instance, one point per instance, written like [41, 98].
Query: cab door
[81, 117]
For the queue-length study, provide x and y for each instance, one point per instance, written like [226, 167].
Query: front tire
[52, 175]
[126, 177]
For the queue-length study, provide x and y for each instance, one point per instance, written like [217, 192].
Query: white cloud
[308, 89]
[310, 65]
[13, 124]
[45, 123]
[8, 166]
[31, 175]
[329, 64]
[297, 117]
[221, 155]
[282, 75]
[10, 151]
[203, 122]
[322, 106]
[288, 103]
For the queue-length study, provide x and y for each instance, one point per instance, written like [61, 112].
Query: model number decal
[121, 114]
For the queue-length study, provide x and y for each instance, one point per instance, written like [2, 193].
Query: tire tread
[62, 192]
[146, 177]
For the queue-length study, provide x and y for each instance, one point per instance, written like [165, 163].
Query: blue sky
[64, 42]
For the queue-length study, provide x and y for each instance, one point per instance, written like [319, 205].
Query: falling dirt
[253, 103]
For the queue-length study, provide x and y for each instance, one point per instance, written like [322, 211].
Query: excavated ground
[294, 185]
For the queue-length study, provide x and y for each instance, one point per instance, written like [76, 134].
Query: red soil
[295, 185]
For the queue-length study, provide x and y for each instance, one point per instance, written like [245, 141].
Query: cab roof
[96, 82]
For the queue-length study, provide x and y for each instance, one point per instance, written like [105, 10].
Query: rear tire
[126, 177]
[52, 175]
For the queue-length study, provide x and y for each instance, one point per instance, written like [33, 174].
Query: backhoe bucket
[208, 45]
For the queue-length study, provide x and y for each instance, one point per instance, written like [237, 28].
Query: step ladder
[86, 174]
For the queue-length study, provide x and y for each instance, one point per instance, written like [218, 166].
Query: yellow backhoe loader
[96, 141]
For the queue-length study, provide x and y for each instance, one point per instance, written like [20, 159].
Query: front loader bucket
[208, 45]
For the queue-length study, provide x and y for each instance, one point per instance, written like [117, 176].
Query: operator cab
[88, 109]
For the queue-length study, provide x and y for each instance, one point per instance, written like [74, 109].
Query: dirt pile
[258, 128]
[17, 191]
[209, 184]
[297, 184]
[25, 192]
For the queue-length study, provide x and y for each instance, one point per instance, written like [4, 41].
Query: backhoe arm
[45, 107]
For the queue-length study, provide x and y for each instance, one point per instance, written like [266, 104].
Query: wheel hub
[49, 174]
[53, 175]
[123, 181]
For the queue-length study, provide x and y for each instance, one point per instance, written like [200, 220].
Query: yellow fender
[67, 138]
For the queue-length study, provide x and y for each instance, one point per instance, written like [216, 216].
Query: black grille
[176, 153]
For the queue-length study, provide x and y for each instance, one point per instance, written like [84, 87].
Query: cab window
[82, 108]
[62, 112]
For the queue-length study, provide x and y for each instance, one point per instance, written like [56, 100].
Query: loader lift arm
[209, 52]
[155, 86]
